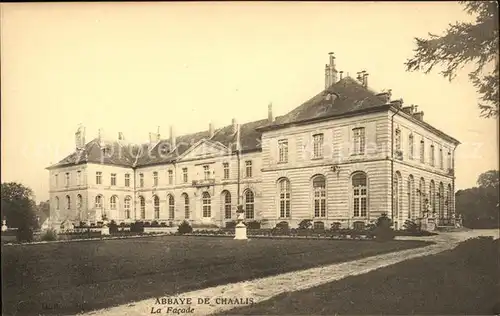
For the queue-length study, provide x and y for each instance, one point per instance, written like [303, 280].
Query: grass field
[65, 278]
[463, 281]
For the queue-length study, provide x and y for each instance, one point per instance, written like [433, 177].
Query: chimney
[341, 74]
[100, 137]
[327, 76]
[384, 97]
[365, 79]
[407, 109]
[158, 136]
[80, 138]
[235, 126]
[333, 70]
[120, 136]
[172, 137]
[211, 130]
[270, 117]
[419, 115]
[397, 103]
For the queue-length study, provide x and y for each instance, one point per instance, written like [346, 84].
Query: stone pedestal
[105, 231]
[240, 231]
[4, 225]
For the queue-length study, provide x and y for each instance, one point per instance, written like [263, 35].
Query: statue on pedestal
[240, 231]
[4, 225]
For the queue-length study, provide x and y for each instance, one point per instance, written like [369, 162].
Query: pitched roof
[346, 96]
[131, 155]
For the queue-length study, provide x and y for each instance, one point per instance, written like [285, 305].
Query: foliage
[18, 209]
[137, 227]
[411, 226]
[305, 224]
[113, 227]
[464, 43]
[253, 225]
[383, 230]
[489, 179]
[282, 225]
[49, 235]
[231, 224]
[335, 226]
[185, 228]
[25, 234]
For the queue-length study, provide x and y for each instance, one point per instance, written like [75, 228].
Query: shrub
[253, 225]
[282, 225]
[113, 227]
[411, 226]
[231, 224]
[305, 224]
[384, 231]
[24, 234]
[155, 224]
[335, 226]
[147, 224]
[163, 224]
[137, 227]
[184, 228]
[122, 224]
[49, 235]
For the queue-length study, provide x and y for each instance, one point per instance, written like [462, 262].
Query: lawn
[61, 278]
[463, 281]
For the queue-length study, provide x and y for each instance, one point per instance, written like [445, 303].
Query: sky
[131, 67]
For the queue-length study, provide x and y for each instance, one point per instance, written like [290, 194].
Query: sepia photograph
[250, 158]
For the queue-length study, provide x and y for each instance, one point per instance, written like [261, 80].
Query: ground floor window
[359, 194]
[319, 189]
[186, 206]
[142, 203]
[171, 207]
[227, 204]
[207, 207]
[284, 198]
[249, 204]
[156, 203]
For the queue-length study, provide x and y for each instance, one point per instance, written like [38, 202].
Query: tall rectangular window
[359, 140]
[98, 177]
[206, 172]
[248, 169]
[56, 180]
[185, 175]
[431, 155]
[226, 170]
[397, 139]
[283, 150]
[141, 180]
[127, 180]
[170, 177]
[422, 151]
[113, 179]
[450, 160]
[441, 158]
[318, 146]
[67, 179]
[78, 177]
[410, 146]
[155, 179]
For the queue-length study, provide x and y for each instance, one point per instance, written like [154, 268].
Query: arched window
[359, 194]
[156, 206]
[207, 209]
[112, 202]
[98, 201]
[411, 197]
[284, 189]
[398, 193]
[421, 197]
[142, 203]
[226, 203]
[79, 201]
[249, 204]
[185, 198]
[319, 199]
[68, 202]
[171, 207]
[432, 197]
[440, 198]
[57, 203]
[126, 205]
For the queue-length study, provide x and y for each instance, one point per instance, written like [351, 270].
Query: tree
[489, 179]
[18, 208]
[466, 43]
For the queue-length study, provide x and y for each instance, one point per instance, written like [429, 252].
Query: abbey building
[346, 155]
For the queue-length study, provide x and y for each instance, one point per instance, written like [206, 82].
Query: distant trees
[478, 206]
[465, 43]
[18, 208]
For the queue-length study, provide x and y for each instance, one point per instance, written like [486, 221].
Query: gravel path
[226, 297]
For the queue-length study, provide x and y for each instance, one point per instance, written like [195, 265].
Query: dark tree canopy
[466, 43]
[18, 206]
[489, 179]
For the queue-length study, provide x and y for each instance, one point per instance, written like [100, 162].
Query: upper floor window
[170, 177]
[441, 158]
[450, 160]
[68, 202]
[397, 139]
[431, 155]
[283, 150]
[422, 151]
[127, 180]
[206, 172]
[318, 146]
[98, 177]
[155, 178]
[248, 168]
[410, 146]
[56, 180]
[185, 175]
[57, 203]
[141, 180]
[78, 177]
[113, 179]
[359, 140]
[226, 170]
[67, 179]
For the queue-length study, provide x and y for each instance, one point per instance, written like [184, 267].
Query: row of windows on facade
[359, 147]
[206, 171]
